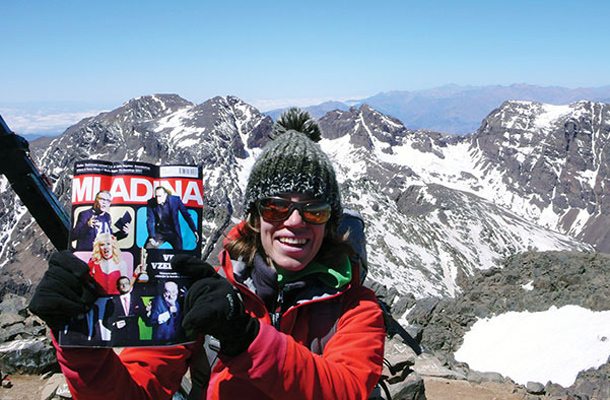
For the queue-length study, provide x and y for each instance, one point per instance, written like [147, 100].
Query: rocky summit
[529, 281]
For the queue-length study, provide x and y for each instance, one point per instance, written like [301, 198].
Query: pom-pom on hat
[293, 163]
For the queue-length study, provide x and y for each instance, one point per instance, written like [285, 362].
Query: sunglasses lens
[274, 209]
[316, 213]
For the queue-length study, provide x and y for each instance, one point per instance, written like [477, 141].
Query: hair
[121, 278]
[97, 195]
[166, 190]
[334, 248]
[96, 255]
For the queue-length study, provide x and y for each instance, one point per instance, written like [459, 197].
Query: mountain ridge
[457, 109]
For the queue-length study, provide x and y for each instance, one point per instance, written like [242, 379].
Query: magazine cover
[129, 219]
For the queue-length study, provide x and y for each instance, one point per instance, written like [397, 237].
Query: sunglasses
[275, 209]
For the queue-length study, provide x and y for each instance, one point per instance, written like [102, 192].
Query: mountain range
[438, 206]
[448, 109]
[458, 109]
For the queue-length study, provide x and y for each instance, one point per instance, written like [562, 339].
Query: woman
[288, 312]
[106, 267]
[106, 264]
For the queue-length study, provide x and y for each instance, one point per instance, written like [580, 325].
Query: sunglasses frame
[294, 205]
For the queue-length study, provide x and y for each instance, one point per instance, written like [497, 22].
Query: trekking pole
[32, 187]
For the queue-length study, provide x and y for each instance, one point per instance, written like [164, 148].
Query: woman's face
[106, 249]
[292, 243]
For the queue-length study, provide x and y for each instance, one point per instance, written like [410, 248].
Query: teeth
[293, 241]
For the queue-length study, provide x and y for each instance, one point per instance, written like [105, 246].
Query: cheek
[266, 234]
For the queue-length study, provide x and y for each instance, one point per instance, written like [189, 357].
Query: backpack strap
[351, 221]
[393, 328]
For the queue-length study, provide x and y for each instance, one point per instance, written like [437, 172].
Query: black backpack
[352, 221]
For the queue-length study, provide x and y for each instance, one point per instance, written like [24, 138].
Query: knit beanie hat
[293, 163]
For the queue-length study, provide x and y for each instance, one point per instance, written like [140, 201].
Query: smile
[292, 241]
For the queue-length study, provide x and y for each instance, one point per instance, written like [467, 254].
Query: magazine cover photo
[129, 219]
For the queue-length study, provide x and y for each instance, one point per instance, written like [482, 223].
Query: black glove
[192, 267]
[65, 291]
[213, 307]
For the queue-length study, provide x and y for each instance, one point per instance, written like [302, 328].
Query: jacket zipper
[277, 315]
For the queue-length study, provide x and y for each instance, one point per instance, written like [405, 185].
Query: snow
[528, 286]
[341, 149]
[549, 114]
[20, 211]
[244, 166]
[553, 345]
[188, 143]
[579, 222]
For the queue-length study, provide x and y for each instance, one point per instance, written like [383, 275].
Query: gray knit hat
[292, 162]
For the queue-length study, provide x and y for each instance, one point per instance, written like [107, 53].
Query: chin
[292, 265]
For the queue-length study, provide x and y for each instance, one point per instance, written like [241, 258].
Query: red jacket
[277, 365]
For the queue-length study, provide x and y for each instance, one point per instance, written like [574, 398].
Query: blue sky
[81, 54]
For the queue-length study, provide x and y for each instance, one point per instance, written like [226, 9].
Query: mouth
[293, 242]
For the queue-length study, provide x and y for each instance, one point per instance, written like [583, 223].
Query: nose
[295, 219]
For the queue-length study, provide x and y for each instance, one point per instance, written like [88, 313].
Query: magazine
[129, 219]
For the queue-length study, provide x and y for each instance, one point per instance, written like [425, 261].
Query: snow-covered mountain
[438, 207]
[546, 163]
[553, 159]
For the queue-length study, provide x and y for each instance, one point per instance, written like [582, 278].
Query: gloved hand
[65, 291]
[213, 307]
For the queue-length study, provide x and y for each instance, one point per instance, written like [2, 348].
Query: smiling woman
[293, 270]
